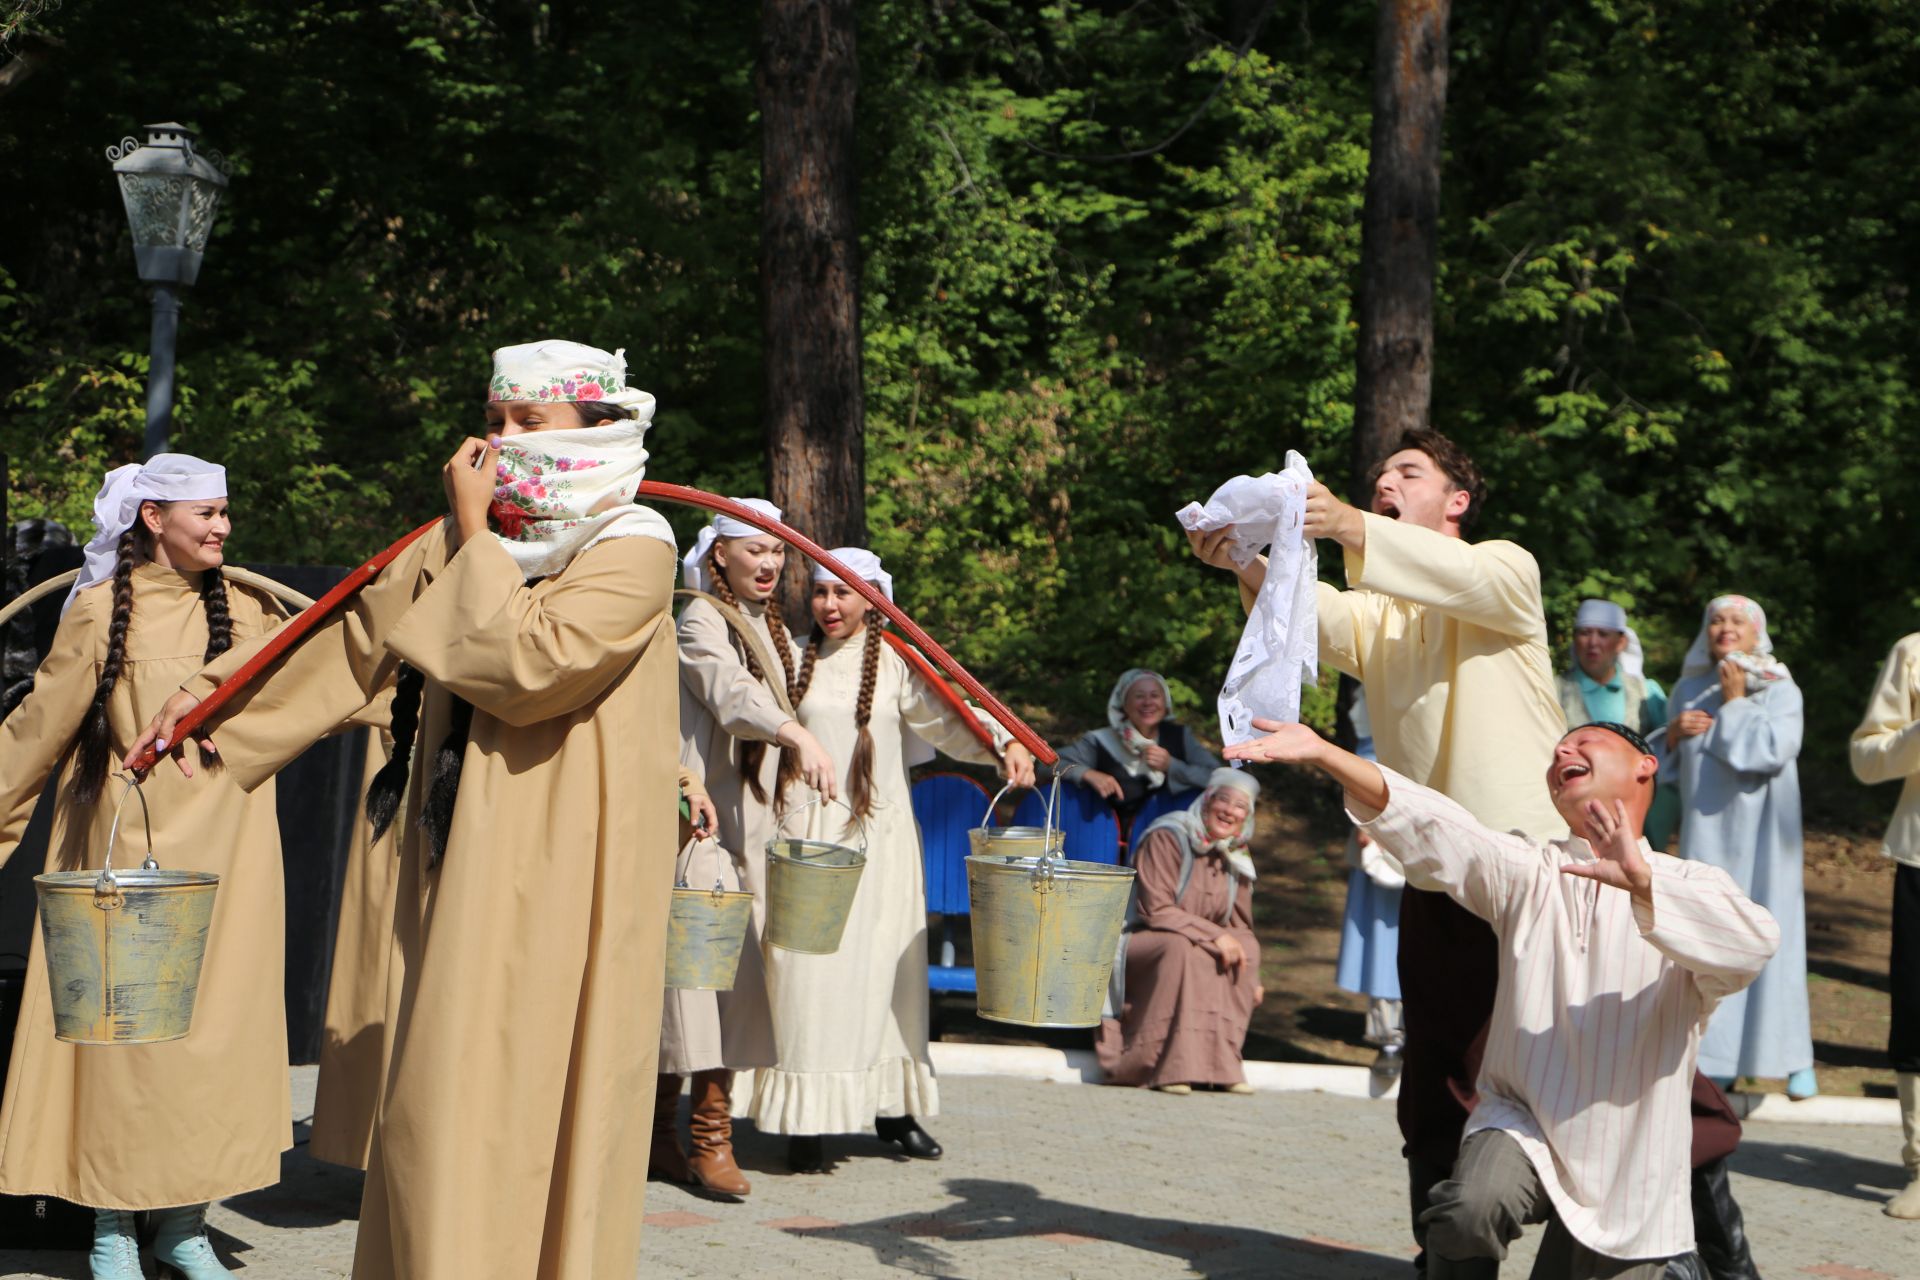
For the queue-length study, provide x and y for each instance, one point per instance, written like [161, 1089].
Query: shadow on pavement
[995, 1210]
[310, 1193]
[1821, 1170]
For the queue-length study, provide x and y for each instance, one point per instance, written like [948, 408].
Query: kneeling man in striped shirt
[1611, 958]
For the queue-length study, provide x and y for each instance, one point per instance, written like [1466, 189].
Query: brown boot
[668, 1159]
[712, 1161]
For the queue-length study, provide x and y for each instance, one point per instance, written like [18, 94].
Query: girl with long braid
[529, 642]
[729, 717]
[164, 1127]
[850, 1028]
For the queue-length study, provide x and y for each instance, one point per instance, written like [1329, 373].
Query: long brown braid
[93, 749]
[753, 752]
[860, 768]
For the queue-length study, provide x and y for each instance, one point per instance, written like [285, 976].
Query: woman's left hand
[1733, 681]
[1157, 758]
[1016, 765]
[706, 820]
[469, 480]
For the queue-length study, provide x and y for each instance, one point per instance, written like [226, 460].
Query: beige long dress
[851, 1027]
[720, 705]
[189, 1120]
[513, 1131]
[362, 989]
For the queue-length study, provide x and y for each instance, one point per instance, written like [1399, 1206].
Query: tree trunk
[810, 275]
[1393, 382]
[1393, 386]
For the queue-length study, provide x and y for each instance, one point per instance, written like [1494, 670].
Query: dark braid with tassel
[93, 750]
[390, 783]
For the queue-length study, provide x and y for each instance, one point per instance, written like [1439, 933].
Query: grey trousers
[1474, 1215]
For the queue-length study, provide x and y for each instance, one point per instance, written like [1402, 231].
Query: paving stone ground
[1045, 1180]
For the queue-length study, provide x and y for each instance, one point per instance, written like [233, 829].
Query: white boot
[1907, 1203]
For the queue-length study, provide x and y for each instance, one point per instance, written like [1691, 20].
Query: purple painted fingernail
[160, 744]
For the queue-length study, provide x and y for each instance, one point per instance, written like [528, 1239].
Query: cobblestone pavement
[1049, 1180]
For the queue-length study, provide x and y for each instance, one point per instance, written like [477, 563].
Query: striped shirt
[1590, 1056]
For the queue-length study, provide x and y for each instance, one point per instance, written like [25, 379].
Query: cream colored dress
[851, 1027]
[190, 1120]
[721, 704]
[512, 1134]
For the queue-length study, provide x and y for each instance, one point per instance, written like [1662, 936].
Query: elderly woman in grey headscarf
[1141, 751]
[1188, 977]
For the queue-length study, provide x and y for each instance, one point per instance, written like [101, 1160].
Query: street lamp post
[171, 192]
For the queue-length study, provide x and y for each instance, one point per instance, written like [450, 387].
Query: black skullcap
[1613, 726]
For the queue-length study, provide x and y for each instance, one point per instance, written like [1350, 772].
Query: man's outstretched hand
[1616, 850]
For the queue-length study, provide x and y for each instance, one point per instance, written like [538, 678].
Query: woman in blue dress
[1733, 737]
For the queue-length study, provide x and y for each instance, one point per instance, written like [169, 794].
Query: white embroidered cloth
[1280, 648]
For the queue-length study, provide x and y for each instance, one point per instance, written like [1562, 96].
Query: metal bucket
[810, 888]
[706, 929]
[124, 948]
[1044, 927]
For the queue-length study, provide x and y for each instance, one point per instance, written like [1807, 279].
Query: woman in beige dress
[170, 1126]
[730, 715]
[537, 845]
[850, 1028]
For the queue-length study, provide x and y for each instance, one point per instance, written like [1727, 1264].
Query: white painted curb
[1078, 1066]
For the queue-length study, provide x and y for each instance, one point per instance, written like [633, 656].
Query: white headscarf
[1761, 666]
[1124, 742]
[1191, 824]
[559, 492]
[1608, 616]
[693, 569]
[864, 564]
[165, 477]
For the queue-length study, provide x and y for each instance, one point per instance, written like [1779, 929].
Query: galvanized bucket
[1044, 926]
[810, 887]
[124, 948]
[705, 928]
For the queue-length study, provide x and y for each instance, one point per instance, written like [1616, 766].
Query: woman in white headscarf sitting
[1189, 977]
[529, 639]
[1734, 740]
[163, 1127]
[1141, 752]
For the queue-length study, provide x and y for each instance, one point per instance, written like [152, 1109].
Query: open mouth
[1571, 770]
[1390, 510]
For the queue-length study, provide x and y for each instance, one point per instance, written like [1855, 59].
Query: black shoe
[807, 1153]
[906, 1131]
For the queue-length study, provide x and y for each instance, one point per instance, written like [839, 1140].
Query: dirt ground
[1300, 853]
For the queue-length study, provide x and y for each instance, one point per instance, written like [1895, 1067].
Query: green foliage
[1674, 315]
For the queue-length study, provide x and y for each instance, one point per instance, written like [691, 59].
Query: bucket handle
[817, 797]
[1043, 869]
[686, 867]
[106, 890]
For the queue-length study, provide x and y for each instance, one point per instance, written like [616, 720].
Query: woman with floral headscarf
[529, 642]
[1733, 739]
[1189, 976]
[1142, 750]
